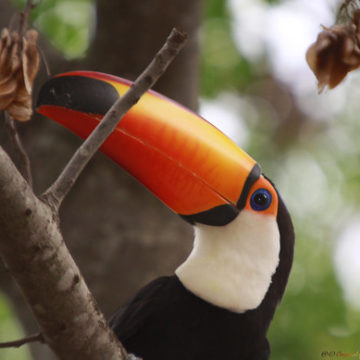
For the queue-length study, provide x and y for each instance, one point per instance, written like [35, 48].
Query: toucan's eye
[260, 200]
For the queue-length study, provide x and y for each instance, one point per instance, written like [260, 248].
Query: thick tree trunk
[120, 235]
[129, 32]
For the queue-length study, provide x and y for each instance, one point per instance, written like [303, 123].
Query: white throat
[231, 266]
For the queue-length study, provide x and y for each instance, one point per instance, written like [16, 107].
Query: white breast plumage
[231, 266]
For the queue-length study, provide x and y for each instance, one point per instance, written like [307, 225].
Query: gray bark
[35, 253]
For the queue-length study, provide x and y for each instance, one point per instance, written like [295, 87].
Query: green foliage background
[10, 330]
[313, 316]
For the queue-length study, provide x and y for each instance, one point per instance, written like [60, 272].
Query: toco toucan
[221, 300]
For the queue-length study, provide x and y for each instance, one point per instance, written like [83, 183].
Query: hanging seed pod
[19, 64]
[335, 52]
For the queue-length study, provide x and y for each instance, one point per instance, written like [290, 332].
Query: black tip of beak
[84, 94]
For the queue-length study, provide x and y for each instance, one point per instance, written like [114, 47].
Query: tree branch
[34, 252]
[56, 193]
[25, 17]
[26, 340]
[24, 161]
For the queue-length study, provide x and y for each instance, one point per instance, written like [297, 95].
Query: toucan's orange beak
[190, 165]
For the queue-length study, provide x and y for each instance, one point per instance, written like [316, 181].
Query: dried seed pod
[19, 64]
[335, 52]
[9, 66]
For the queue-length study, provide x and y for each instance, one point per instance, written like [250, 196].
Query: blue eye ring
[261, 199]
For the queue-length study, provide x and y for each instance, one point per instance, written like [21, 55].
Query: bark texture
[61, 288]
[120, 235]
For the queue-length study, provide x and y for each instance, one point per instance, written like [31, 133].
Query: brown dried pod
[19, 64]
[335, 52]
[9, 66]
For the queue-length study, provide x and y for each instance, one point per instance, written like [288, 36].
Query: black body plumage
[165, 321]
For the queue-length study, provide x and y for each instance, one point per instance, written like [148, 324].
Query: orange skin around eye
[262, 183]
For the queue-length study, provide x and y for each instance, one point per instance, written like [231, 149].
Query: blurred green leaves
[67, 23]
[316, 167]
[222, 67]
[10, 330]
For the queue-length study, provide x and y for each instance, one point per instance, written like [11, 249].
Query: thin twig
[44, 60]
[56, 193]
[25, 17]
[26, 340]
[24, 161]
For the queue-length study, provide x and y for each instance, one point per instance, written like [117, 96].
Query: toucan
[220, 301]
